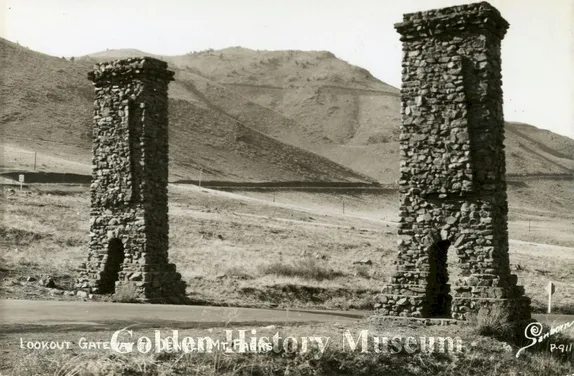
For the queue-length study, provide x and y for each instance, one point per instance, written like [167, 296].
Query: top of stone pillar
[456, 19]
[129, 68]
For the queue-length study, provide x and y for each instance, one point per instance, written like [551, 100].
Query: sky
[537, 52]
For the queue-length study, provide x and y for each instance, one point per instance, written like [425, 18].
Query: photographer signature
[534, 333]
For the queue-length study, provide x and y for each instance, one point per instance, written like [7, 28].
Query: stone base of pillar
[518, 308]
[465, 301]
[149, 283]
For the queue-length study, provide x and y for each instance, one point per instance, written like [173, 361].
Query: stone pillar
[128, 249]
[452, 172]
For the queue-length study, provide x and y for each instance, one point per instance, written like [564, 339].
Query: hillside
[245, 114]
[316, 101]
[47, 107]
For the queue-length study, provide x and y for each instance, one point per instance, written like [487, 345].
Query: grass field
[244, 249]
[335, 355]
[283, 249]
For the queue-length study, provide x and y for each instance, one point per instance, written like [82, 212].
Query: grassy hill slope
[316, 101]
[283, 101]
[47, 107]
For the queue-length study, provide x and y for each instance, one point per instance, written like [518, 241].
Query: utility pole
[200, 176]
[34, 161]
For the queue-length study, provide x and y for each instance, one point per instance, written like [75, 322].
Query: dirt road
[38, 315]
[44, 315]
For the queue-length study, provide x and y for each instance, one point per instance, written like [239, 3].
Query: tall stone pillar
[128, 248]
[452, 169]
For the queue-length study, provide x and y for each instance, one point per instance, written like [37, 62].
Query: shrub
[308, 269]
[493, 321]
[363, 271]
[126, 294]
[237, 272]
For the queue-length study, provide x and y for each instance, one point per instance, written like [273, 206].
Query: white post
[550, 289]
[21, 180]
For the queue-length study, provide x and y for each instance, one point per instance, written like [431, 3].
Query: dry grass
[221, 245]
[307, 269]
[363, 271]
[238, 272]
[479, 355]
[43, 234]
[492, 321]
[246, 250]
[126, 294]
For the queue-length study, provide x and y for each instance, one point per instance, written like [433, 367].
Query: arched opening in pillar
[438, 288]
[113, 266]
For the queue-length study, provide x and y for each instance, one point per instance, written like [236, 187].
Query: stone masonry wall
[129, 183]
[452, 182]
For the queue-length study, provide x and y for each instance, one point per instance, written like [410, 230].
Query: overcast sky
[537, 53]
